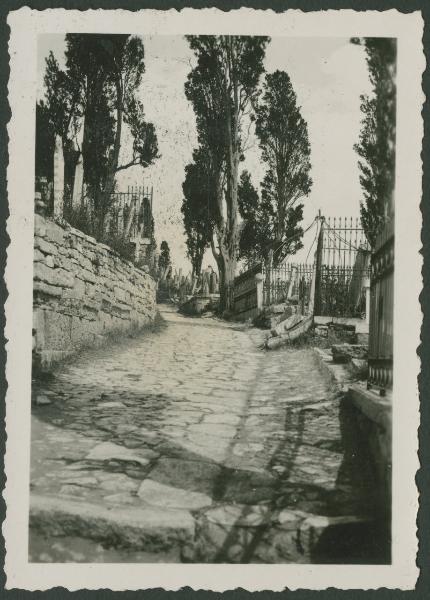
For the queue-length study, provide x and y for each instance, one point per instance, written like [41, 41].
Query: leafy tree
[164, 258]
[98, 91]
[222, 87]
[45, 142]
[59, 115]
[88, 68]
[376, 146]
[256, 228]
[197, 208]
[284, 142]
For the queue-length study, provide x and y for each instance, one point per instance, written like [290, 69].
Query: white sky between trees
[328, 76]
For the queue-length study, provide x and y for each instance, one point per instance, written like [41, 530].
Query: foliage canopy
[376, 146]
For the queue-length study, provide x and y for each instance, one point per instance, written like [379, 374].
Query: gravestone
[78, 183]
[214, 283]
[205, 284]
[58, 177]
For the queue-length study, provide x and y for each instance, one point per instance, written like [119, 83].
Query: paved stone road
[189, 443]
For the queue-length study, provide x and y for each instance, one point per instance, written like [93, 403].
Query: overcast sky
[328, 75]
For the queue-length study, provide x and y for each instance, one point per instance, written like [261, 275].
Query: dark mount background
[423, 477]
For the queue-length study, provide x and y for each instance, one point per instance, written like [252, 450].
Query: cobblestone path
[188, 444]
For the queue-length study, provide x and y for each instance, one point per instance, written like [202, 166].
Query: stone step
[248, 534]
[148, 529]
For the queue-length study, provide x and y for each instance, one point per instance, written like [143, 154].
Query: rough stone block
[52, 276]
[287, 324]
[150, 529]
[87, 275]
[80, 332]
[54, 232]
[314, 531]
[43, 273]
[107, 451]
[38, 256]
[39, 226]
[56, 330]
[321, 330]
[363, 338]
[41, 287]
[50, 261]
[158, 494]
[346, 352]
[44, 245]
[121, 295]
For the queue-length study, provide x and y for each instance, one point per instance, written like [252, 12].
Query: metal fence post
[318, 266]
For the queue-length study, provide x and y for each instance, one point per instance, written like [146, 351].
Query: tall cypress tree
[376, 146]
[285, 147]
[223, 86]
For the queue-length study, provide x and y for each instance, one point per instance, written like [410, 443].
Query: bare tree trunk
[114, 157]
[229, 241]
[269, 267]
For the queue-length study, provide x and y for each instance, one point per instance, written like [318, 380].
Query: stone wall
[83, 292]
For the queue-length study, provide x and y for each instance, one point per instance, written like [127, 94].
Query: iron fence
[342, 240]
[288, 282]
[381, 311]
[131, 212]
[343, 268]
[342, 291]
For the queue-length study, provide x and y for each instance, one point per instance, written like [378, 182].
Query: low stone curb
[149, 529]
[337, 374]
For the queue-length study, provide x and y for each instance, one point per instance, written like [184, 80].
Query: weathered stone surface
[287, 324]
[71, 490]
[225, 419]
[113, 404]
[158, 494]
[239, 515]
[110, 451]
[359, 367]
[237, 534]
[120, 499]
[45, 289]
[312, 529]
[321, 330]
[148, 529]
[346, 352]
[277, 309]
[193, 475]
[282, 461]
[73, 274]
[86, 480]
[290, 333]
[73, 549]
[117, 482]
[41, 400]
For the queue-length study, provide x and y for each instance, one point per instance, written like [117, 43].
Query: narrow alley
[222, 451]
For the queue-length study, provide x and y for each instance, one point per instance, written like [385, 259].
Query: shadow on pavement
[138, 421]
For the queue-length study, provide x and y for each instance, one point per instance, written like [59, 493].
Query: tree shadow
[139, 422]
[357, 529]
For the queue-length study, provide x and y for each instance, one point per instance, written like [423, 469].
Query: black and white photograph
[213, 297]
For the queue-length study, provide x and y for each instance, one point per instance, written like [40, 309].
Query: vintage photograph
[212, 358]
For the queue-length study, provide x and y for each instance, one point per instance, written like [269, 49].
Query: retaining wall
[83, 292]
